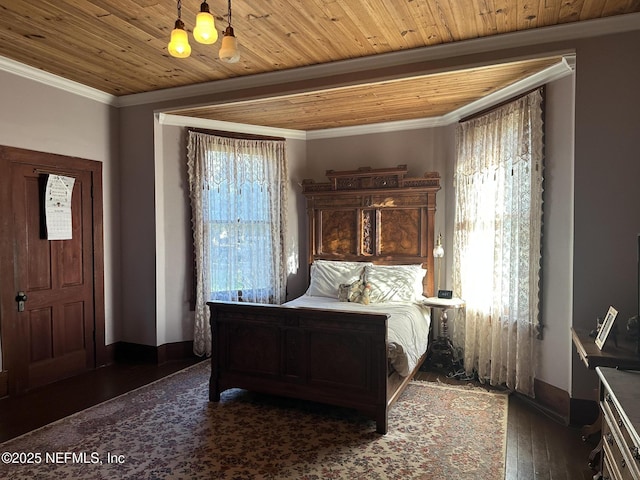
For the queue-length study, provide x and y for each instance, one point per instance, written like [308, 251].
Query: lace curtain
[238, 200]
[497, 240]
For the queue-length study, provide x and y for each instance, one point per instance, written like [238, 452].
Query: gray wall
[138, 226]
[422, 150]
[607, 171]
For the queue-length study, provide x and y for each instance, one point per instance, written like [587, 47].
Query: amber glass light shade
[179, 45]
[205, 30]
[229, 49]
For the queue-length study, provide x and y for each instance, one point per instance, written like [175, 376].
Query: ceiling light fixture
[229, 49]
[205, 30]
[179, 45]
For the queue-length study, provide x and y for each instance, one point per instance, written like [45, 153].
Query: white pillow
[327, 275]
[395, 283]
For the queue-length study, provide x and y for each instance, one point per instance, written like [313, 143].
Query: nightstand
[443, 304]
[443, 355]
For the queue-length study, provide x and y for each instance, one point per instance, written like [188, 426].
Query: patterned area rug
[169, 430]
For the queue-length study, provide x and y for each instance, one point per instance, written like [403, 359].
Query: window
[240, 235]
[237, 189]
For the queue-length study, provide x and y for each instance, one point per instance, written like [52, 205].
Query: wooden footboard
[338, 358]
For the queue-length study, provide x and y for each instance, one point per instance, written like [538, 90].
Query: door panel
[40, 332]
[37, 259]
[53, 337]
[58, 282]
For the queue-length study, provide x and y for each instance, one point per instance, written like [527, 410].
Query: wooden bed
[338, 358]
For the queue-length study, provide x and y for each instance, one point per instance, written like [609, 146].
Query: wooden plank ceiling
[404, 99]
[120, 46]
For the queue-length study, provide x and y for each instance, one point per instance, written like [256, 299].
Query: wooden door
[54, 335]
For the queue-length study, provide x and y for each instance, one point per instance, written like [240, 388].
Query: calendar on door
[57, 207]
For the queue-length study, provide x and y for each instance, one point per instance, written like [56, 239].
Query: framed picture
[603, 333]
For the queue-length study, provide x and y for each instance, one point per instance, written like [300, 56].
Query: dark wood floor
[50, 403]
[538, 446]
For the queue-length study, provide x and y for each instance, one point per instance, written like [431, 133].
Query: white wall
[557, 240]
[296, 244]
[39, 117]
[173, 238]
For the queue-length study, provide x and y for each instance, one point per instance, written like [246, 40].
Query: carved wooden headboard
[374, 215]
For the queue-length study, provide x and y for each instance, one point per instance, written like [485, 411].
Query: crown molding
[383, 127]
[182, 121]
[46, 78]
[549, 74]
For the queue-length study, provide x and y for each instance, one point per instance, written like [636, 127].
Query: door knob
[21, 297]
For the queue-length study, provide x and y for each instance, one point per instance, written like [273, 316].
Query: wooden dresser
[620, 405]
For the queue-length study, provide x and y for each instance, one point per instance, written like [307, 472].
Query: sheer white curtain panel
[238, 199]
[498, 185]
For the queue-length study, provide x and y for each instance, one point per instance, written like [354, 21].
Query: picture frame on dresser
[605, 329]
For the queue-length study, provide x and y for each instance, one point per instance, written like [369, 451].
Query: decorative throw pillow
[350, 292]
[365, 299]
[356, 292]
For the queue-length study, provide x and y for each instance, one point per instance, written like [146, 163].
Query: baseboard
[125, 352]
[558, 404]
[110, 356]
[553, 400]
[170, 352]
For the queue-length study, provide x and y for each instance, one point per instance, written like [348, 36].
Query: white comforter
[407, 327]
